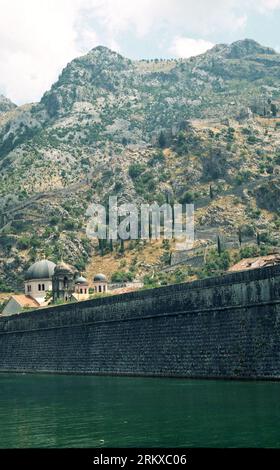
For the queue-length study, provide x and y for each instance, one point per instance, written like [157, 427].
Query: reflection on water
[72, 411]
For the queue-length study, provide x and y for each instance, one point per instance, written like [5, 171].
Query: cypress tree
[162, 140]
[122, 246]
[240, 236]
[219, 245]
[274, 110]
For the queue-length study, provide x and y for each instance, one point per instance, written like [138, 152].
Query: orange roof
[25, 301]
[254, 263]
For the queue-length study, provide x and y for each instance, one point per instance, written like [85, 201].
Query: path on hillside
[7, 215]
[234, 191]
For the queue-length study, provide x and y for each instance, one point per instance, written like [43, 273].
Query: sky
[39, 37]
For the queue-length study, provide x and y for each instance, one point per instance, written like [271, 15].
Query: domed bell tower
[63, 282]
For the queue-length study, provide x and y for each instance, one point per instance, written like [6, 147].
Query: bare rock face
[243, 49]
[6, 104]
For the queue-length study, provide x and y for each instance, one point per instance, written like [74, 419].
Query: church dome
[100, 278]
[81, 280]
[43, 269]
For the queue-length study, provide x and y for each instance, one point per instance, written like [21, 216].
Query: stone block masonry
[224, 327]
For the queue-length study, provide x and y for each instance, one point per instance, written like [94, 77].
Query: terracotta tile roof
[25, 301]
[254, 263]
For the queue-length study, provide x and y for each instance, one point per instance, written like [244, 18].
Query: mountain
[6, 104]
[143, 130]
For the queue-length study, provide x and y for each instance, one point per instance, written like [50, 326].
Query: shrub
[135, 170]
[249, 252]
[24, 243]
[216, 264]
[248, 230]
[122, 276]
[187, 198]
[157, 158]
[4, 287]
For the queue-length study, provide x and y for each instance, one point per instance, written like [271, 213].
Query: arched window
[65, 282]
[100, 288]
[103, 288]
[39, 287]
[43, 287]
[81, 291]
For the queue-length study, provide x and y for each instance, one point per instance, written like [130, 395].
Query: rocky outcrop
[6, 104]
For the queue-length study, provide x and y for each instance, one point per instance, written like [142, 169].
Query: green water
[71, 411]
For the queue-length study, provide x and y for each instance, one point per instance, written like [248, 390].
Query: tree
[240, 236]
[162, 140]
[219, 245]
[274, 109]
[122, 247]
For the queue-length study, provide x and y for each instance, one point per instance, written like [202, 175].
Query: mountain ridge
[104, 73]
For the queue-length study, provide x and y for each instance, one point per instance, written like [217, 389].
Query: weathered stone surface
[222, 327]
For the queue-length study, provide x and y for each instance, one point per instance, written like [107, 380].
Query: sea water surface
[78, 411]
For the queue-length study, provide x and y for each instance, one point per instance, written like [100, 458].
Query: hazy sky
[39, 37]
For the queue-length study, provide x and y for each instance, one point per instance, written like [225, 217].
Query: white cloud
[200, 16]
[187, 47]
[270, 4]
[38, 37]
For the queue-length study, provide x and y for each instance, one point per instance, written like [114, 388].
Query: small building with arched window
[81, 289]
[38, 280]
[81, 285]
[100, 284]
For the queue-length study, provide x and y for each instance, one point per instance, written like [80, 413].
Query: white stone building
[38, 280]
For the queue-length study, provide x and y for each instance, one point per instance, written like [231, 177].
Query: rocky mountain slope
[205, 129]
[6, 105]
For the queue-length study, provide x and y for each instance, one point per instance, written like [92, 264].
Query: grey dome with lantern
[81, 280]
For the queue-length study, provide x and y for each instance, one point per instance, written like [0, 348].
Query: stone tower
[63, 282]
